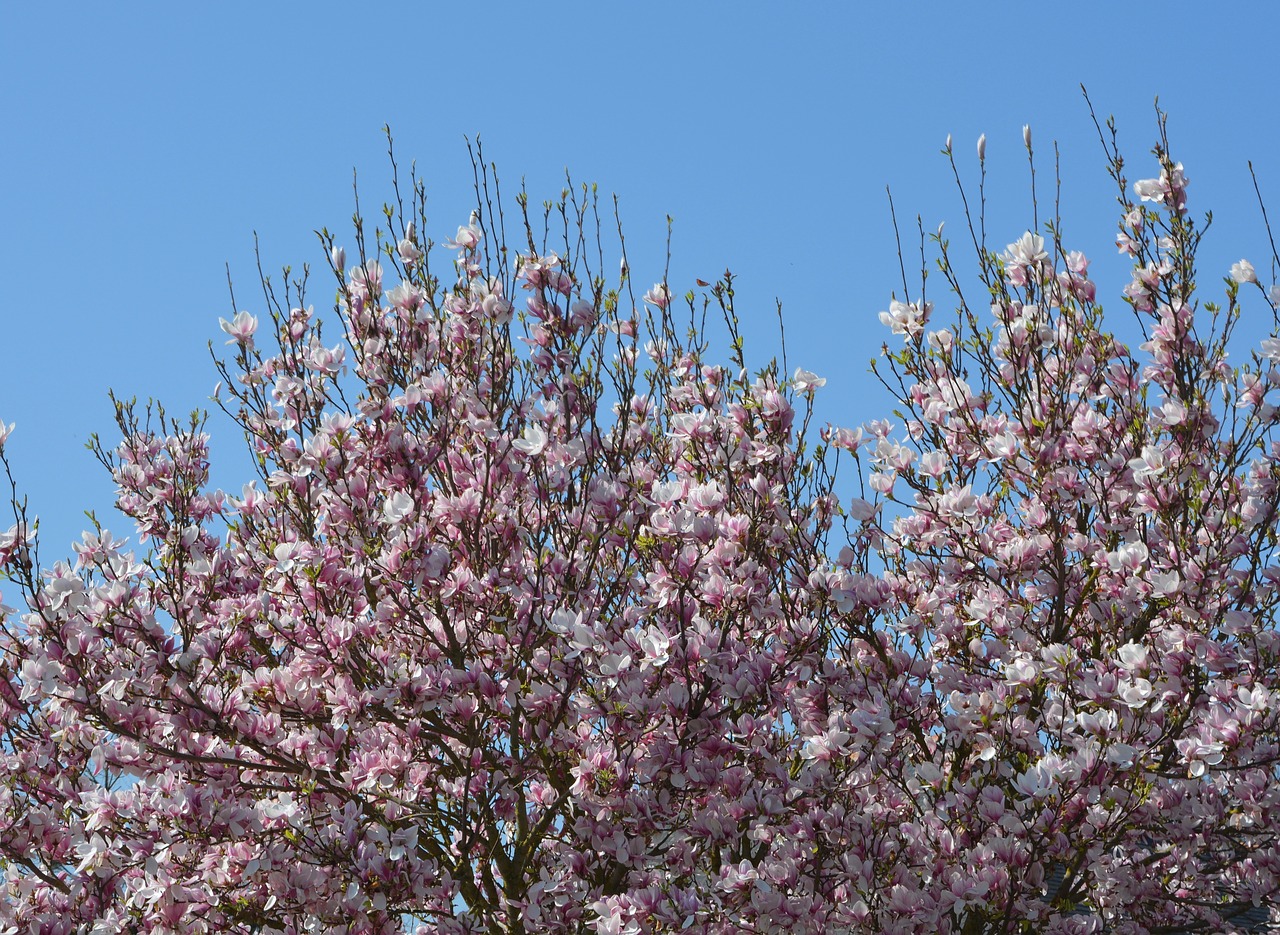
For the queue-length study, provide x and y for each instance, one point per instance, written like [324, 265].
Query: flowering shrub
[537, 618]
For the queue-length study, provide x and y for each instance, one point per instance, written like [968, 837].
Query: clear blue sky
[143, 145]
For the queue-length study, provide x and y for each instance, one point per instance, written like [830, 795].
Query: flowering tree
[545, 621]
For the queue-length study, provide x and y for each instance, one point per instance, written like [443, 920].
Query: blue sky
[144, 144]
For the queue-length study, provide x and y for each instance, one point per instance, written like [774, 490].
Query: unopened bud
[339, 257]
[1026, 135]
[982, 147]
[948, 142]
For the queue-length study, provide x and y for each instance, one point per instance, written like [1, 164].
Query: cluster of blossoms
[536, 619]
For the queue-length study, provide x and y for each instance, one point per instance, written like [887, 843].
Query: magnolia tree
[541, 616]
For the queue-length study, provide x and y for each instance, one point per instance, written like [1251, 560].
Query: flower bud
[339, 257]
[982, 148]
[1026, 135]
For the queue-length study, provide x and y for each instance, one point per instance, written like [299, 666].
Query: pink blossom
[469, 235]
[408, 251]
[906, 318]
[241, 328]
[659, 295]
[565, 626]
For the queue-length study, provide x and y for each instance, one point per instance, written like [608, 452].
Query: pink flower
[408, 250]
[861, 510]
[906, 318]
[469, 235]
[659, 295]
[241, 328]
[488, 579]
[1170, 189]
[825, 746]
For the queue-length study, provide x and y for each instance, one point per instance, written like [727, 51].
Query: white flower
[1136, 692]
[1243, 272]
[1002, 446]
[1151, 189]
[397, 507]
[906, 318]
[1173, 413]
[1100, 725]
[933, 463]
[666, 493]
[1132, 655]
[612, 664]
[562, 621]
[583, 638]
[1122, 755]
[1164, 583]
[1036, 782]
[282, 806]
[824, 746]
[1200, 755]
[1020, 672]
[532, 442]
[982, 147]
[1149, 464]
[437, 561]
[1027, 250]
[1129, 557]
[804, 381]
[1026, 135]
[656, 646]
[89, 851]
[286, 554]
